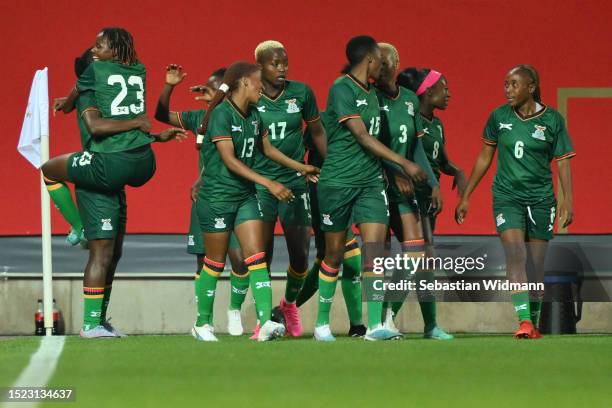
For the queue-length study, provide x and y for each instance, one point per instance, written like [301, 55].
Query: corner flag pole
[47, 265]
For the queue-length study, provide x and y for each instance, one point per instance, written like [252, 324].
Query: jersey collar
[532, 116]
[359, 83]
[236, 108]
[263, 93]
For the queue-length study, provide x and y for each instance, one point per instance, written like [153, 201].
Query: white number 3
[116, 108]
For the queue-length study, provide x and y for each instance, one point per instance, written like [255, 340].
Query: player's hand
[311, 172]
[459, 182]
[404, 186]
[436, 200]
[207, 93]
[174, 74]
[195, 189]
[280, 192]
[414, 171]
[566, 213]
[144, 123]
[59, 104]
[171, 134]
[461, 211]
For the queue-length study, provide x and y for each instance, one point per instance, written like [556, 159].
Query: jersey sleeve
[343, 102]
[490, 131]
[191, 120]
[418, 119]
[220, 126]
[311, 111]
[562, 145]
[86, 102]
[87, 80]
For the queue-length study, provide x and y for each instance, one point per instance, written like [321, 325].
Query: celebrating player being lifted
[528, 135]
[351, 183]
[233, 136]
[402, 130]
[119, 154]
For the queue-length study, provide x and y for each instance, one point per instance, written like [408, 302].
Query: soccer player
[528, 135]
[402, 130]
[233, 136]
[285, 108]
[119, 153]
[191, 120]
[351, 187]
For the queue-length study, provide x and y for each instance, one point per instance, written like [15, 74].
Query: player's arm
[319, 137]
[225, 147]
[174, 76]
[100, 127]
[483, 162]
[566, 209]
[420, 157]
[451, 169]
[279, 157]
[66, 104]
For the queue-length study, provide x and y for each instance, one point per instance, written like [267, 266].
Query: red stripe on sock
[255, 257]
[328, 268]
[214, 263]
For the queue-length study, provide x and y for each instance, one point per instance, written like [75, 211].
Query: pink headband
[429, 80]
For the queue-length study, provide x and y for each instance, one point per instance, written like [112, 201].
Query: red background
[473, 43]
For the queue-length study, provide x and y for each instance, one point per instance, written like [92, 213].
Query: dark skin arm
[276, 155]
[450, 169]
[226, 151]
[374, 146]
[67, 103]
[483, 162]
[566, 209]
[319, 137]
[100, 127]
[174, 76]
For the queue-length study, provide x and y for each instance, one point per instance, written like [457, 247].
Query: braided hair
[231, 80]
[122, 44]
[531, 72]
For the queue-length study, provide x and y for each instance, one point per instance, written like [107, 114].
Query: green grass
[471, 371]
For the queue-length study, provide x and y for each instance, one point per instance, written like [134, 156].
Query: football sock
[520, 300]
[351, 282]
[62, 198]
[311, 284]
[535, 307]
[106, 300]
[240, 287]
[208, 286]
[92, 307]
[295, 281]
[328, 279]
[260, 285]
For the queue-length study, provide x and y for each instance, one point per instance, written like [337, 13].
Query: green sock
[92, 307]
[261, 286]
[106, 300]
[295, 281]
[520, 300]
[197, 284]
[374, 298]
[62, 198]
[328, 279]
[206, 290]
[311, 284]
[351, 284]
[240, 287]
[427, 300]
[535, 307]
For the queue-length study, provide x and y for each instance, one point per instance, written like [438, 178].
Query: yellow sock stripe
[295, 274]
[328, 278]
[352, 253]
[53, 187]
[258, 266]
[93, 296]
[210, 272]
[244, 275]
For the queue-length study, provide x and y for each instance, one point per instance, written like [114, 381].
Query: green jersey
[227, 122]
[526, 146]
[191, 120]
[120, 94]
[84, 101]
[433, 143]
[348, 164]
[283, 118]
[314, 157]
[400, 128]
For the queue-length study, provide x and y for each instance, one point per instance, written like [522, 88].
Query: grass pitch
[470, 371]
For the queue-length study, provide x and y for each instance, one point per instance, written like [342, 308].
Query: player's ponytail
[532, 73]
[231, 80]
[357, 49]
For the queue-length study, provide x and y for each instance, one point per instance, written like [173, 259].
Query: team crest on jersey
[499, 220]
[327, 220]
[292, 106]
[385, 108]
[261, 109]
[255, 124]
[539, 132]
[106, 224]
[505, 126]
[410, 106]
[361, 102]
[220, 223]
[236, 128]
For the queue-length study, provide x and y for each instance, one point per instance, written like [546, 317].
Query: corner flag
[36, 120]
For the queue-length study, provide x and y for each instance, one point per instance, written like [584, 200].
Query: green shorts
[341, 206]
[112, 171]
[195, 243]
[423, 197]
[224, 216]
[537, 220]
[103, 214]
[319, 235]
[296, 212]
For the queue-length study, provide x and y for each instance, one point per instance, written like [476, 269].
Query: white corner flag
[36, 120]
[34, 146]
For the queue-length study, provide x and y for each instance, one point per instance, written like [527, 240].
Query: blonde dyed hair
[392, 50]
[265, 46]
